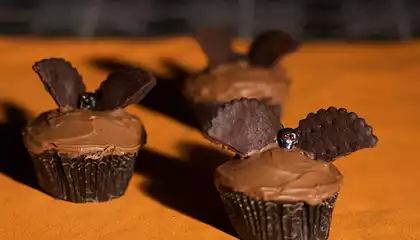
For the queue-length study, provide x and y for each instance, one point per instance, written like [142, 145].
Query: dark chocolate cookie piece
[270, 47]
[124, 87]
[216, 45]
[244, 125]
[332, 133]
[61, 80]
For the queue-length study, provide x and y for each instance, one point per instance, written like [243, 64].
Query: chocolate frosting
[237, 80]
[281, 176]
[84, 132]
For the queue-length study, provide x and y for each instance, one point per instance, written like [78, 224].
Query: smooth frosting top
[85, 132]
[237, 80]
[277, 175]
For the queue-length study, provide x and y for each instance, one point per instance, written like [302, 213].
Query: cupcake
[85, 150]
[259, 75]
[282, 183]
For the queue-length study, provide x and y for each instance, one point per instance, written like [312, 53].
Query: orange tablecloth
[380, 198]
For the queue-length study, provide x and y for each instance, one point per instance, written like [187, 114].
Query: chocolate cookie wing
[332, 133]
[244, 125]
[270, 47]
[61, 80]
[124, 87]
[216, 45]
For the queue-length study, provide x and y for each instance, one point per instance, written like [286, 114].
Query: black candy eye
[87, 101]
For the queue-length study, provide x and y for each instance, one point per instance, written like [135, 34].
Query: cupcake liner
[206, 111]
[83, 179]
[266, 220]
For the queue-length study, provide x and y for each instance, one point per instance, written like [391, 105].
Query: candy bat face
[287, 138]
[87, 101]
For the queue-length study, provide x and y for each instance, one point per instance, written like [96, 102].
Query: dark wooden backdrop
[305, 19]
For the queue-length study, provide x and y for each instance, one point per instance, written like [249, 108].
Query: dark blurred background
[304, 19]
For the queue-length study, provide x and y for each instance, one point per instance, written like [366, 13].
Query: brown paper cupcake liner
[204, 112]
[84, 179]
[265, 220]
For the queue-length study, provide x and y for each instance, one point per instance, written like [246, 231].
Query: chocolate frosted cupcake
[282, 183]
[85, 150]
[261, 75]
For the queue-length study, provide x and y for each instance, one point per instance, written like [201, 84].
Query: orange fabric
[380, 197]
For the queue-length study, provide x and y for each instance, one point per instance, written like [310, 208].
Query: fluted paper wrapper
[265, 220]
[83, 179]
[205, 112]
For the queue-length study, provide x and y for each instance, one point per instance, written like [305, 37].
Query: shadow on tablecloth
[15, 160]
[166, 97]
[186, 186]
